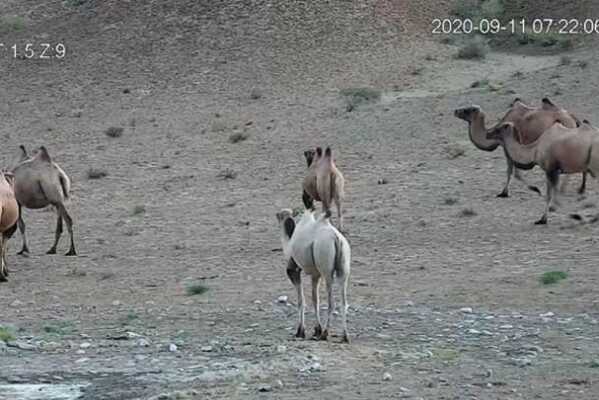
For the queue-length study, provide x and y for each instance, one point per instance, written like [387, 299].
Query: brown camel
[40, 182]
[560, 150]
[531, 123]
[324, 182]
[9, 214]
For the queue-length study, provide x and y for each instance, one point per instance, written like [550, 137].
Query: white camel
[316, 247]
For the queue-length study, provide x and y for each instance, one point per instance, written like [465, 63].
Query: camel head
[501, 131]
[286, 222]
[312, 155]
[309, 155]
[468, 114]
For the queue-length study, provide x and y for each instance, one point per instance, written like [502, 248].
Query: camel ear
[328, 152]
[548, 104]
[23, 151]
[10, 178]
[289, 226]
[319, 151]
[44, 155]
[516, 100]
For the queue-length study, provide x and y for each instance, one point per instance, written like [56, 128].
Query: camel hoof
[503, 194]
[581, 191]
[346, 338]
[301, 332]
[3, 278]
[51, 251]
[542, 221]
[24, 253]
[324, 335]
[71, 253]
[317, 332]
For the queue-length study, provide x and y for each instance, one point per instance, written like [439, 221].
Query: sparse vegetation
[594, 364]
[255, 94]
[475, 49]
[477, 10]
[546, 39]
[11, 23]
[356, 96]
[565, 60]
[551, 277]
[448, 39]
[454, 151]
[114, 132]
[450, 201]
[96, 173]
[227, 173]
[481, 83]
[139, 209]
[583, 64]
[218, 126]
[6, 335]
[196, 289]
[467, 212]
[61, 328]
[238, 137]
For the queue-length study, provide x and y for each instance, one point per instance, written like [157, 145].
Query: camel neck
[519, 153]
[478, 134]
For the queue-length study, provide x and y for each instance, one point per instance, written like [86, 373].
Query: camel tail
[65, 183]
[324, 186]
[338, 268]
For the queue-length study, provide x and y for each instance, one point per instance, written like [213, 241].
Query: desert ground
[446, 300]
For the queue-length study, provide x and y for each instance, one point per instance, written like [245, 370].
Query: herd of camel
[548, 136]
[33, 182]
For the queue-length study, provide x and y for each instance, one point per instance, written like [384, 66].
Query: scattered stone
[76, 113]
[206, 349]
[16, 303]
[81, 360]
[143, 342]
[547, 315]
[387, 376]
[172, 347]
[466, 310]
[281, 349]
[21, 345]
[85, 345]
[265, 388]
[116, 303]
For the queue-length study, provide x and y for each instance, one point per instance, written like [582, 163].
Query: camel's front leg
[21, 223]
[344, 306]
[316, 303]
[583, 185]
[510, 170]
[3, 270]
[294, 274]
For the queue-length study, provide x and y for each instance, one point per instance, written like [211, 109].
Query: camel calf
[40, 182]
[324, 182]
[9, 214]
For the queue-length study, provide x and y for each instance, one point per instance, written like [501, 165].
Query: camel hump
[44, 155]
[23, 151]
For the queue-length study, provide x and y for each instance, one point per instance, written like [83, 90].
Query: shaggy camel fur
[560, 150]
[40, 182]
[531, 123]
[9, 214]
[321, 251]
[323, 182]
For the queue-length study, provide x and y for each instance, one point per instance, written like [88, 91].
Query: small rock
[85, 345]
[387, 376]
[280, 383]
[172, 347]
[80, 352]
[76, 113]
[16, 303]
[473, 332]
[116, 303]
[143, 342]
[206, 349]
[282, 299]
[81, 360]
[265, 388]
[281, 349]
[547, 315]
[21, 345]
[466, 310]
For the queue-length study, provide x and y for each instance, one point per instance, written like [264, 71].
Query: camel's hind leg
[57, 234]
[62, 212]
[3, 269]
[294, 274]
[583, 185]
[344, 306]
[325, 333]
[552, 179]
[339, 213]
[21, 223]
[316, 303]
